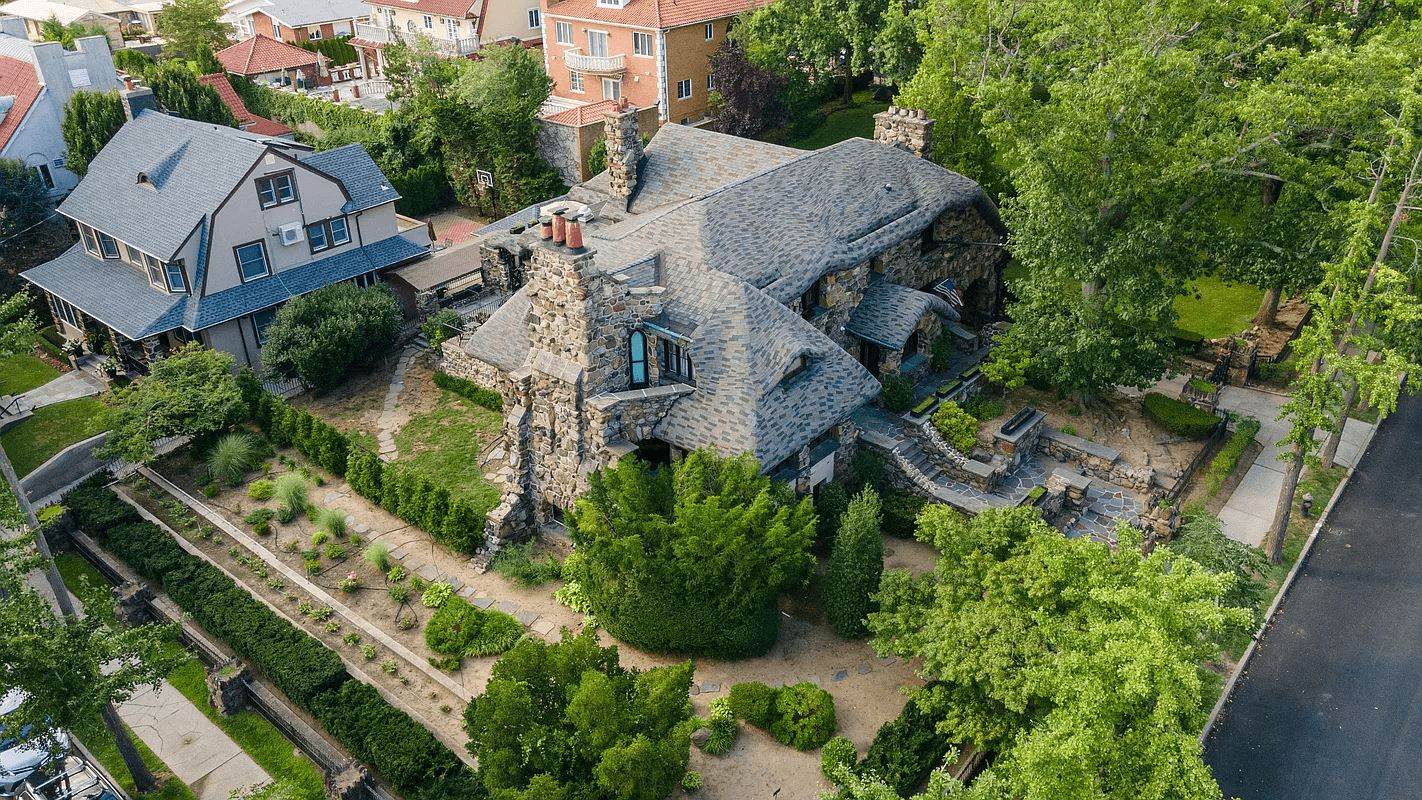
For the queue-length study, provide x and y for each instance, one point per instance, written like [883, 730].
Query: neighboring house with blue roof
[715, 291]
[193, 231]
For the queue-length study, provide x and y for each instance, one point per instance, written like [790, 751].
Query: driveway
[1331, 705]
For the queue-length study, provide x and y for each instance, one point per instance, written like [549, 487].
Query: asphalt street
[1331, 706]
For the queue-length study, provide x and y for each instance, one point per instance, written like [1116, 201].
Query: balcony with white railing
[578, 62]
[445, 47]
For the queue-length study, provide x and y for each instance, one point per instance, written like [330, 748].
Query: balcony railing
[445, 47]
[578, 62]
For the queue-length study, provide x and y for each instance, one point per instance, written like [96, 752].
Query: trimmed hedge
[1180, 418]
[421, 189]
[338, 50]
[487, 398]
[309, 673]
[1228, 456]
[906, 749]
[901, 510]
[801, 716]
[415, 499]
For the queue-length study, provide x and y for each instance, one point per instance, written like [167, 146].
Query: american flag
[949, 292]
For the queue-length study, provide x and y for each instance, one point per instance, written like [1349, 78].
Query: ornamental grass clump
[377, 555]
[332, 521]
[233, 457]
[291, 496]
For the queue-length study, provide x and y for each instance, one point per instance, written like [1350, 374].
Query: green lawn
[1220, 309]
[50, 430]
[844, 123]
[444, 444]
[23, 372]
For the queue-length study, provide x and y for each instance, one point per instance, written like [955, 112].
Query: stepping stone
[395, 552]
[710, 687]
[363, 528]
[543, 627]
[694, 690]
[865, 669]
[350, 520]
[888, 551]
[887, 660]
[429, 572]
[412, 565]
[467, 592]
[456, 583]
[839, 676]
[506, 606]
[489, 476]
[526, 617]
[482, 602]
[330, 498]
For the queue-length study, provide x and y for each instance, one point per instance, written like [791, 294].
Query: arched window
[637, 356]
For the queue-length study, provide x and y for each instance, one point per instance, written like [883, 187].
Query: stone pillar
[909, 129]
[154, 348]
[351, 781]
[426, 305]
[624, 150]
[131, 603]
[227, 687]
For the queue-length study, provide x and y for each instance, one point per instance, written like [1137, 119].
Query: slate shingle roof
[191, 167]
[503, 340]
[888, 313]
[352, 166]
[119, 295]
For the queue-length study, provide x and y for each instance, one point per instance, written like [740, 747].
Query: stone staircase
[927, 476]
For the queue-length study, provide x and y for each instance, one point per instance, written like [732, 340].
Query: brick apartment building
[649, 52]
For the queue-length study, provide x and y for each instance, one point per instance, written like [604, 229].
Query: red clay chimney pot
[560, 227]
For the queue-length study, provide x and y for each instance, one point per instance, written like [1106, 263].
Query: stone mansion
[714, 291]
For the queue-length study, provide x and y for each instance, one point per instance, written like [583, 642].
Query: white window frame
[313, 34]
[266, 264]
[710, 31]
[610, 3]
[616, 85]
[709, 86]
[683, 85]
[91, 240]
[428, 21]
[638, 39]
[67, 313]
[276, 30]
[276, 193]
[535, 17]
[366, 280]
[593, 36]
[105, 243]
[154, 268]
[171, 270]
[563, 32]
[575, 81]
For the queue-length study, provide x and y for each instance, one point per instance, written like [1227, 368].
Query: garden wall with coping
[1095, 460]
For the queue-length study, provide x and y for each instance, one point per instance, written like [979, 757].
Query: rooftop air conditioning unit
[290, 233]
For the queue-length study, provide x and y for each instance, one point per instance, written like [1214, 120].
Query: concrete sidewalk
[69, 386]
[198, 752]
[1250, 510]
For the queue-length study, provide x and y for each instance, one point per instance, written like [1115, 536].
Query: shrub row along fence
[417, 500]
[417, 764]
[487, 398]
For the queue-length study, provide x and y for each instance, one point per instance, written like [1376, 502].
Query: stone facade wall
[453, 360]
[558, 145]
[613, 419]
[624, 150]
[840, 294]
[1097, 461]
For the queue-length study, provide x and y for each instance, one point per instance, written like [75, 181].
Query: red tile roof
[658, 14]
[262, 53]
[17, 79]
[582, 115]
[444, 8]
[250, 122]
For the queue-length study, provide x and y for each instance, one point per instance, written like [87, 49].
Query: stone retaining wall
[1096, 460]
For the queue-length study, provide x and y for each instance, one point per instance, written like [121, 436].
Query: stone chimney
[909, 129]
[624, 150]
[136, 98]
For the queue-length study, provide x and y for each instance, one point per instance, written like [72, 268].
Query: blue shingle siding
[351, 165]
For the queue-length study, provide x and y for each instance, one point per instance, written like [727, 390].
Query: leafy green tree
[191, 392]
[70, 666]
[691, 558]
[191, 25]
[567, 720]
[179, 92]
[1203, 541]
[1077, 663]
[484, 114]
[24, 199]
[52, 30]
[855, 566]
[17, 335]
[90, 120]
[134, 62]
[321, 336]
[827, 36]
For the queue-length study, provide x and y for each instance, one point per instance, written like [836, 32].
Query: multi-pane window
[611, 89]
[428, 21]
[563, 32]
[637, 358]
[155, 270]
[173, 270]
[641, 44]
[535, 19]
[274, 190]
[69, 314]
[366, 280]
[261, 321]
[674, 360]
[251, 260]
[709, 87]
[683, 89]
[314, 34]
[597, 43]
[575, 81]
[710, 31]
[326, 234]
[132, 255]
[108, 245]
[91, 242]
